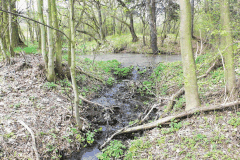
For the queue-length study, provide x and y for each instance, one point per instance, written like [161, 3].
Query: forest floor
[26, 97]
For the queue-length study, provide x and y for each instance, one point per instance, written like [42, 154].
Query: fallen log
[169, 118]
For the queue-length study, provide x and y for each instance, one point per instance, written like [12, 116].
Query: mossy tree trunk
[73, 61]
[151, 8]
[189, 68]
[50, 73]
[43, 37]
[5, 28]
[58, 39]
[226, 46]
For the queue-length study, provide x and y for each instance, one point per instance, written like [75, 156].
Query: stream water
[126, 106]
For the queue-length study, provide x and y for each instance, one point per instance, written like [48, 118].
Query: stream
[126, 106]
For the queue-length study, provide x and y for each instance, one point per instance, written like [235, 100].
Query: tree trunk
[131, 28]
[10, 28]
[189, 68]
[101, 30]
[43, 37]
[151, 8]
[192, 11]
[6, 29]
[73, 74]
[3, 50]
[16, 40]
[58, 38]
[51, 73]
[226, 46]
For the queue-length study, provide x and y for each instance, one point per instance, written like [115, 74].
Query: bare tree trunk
[73, 74]
[151, 8]
[189, 67]
[43, 37]
[10, 28]
[51, 73]
[131, 28]
[192, 11]
[58, 38]
[101, 30]
[226, 43]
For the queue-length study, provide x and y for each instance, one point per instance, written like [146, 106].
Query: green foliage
[28, 50]
[234, 121]
[122, 72]
[174, 126]
[50, 85]
[136, 146]
[114, 150]
[110, 81]
[90, 137]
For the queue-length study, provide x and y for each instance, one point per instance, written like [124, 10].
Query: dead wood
[89, 75]
[169, 118]
[181, 91]
[33, 138]
[96, 104]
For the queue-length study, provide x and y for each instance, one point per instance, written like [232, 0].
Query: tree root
[181, 91]
[33, 138]
[169, 118]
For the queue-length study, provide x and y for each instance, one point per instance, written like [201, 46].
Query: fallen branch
[96, 104]
[154, 106]
[169, 118]
[181, 91]
[33, 138]
[89, 75]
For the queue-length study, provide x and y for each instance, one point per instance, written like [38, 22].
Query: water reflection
[128, 59]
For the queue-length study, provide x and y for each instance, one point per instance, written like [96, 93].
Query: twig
[154, 106]
[96, 104]
[81, 70]
[169, 118]
[33, 138]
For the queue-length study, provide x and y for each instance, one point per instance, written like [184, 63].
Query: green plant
[110, 81]
[122, 72]
[50, 85]
[234, 121]
[114, 150]
[90, 137]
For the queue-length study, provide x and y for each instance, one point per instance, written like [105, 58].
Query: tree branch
[169, 118]
[35, 22]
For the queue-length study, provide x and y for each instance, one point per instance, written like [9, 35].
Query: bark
[3, 50]
[5, 27]
[43, 37]
[10, 29]
[101, 30]
[169, 118]
[131, 25]
[226, 42]
[50, 73]
[189, 67]
[73, 74]
[151, 8]
[192, 11]
[58, 39]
